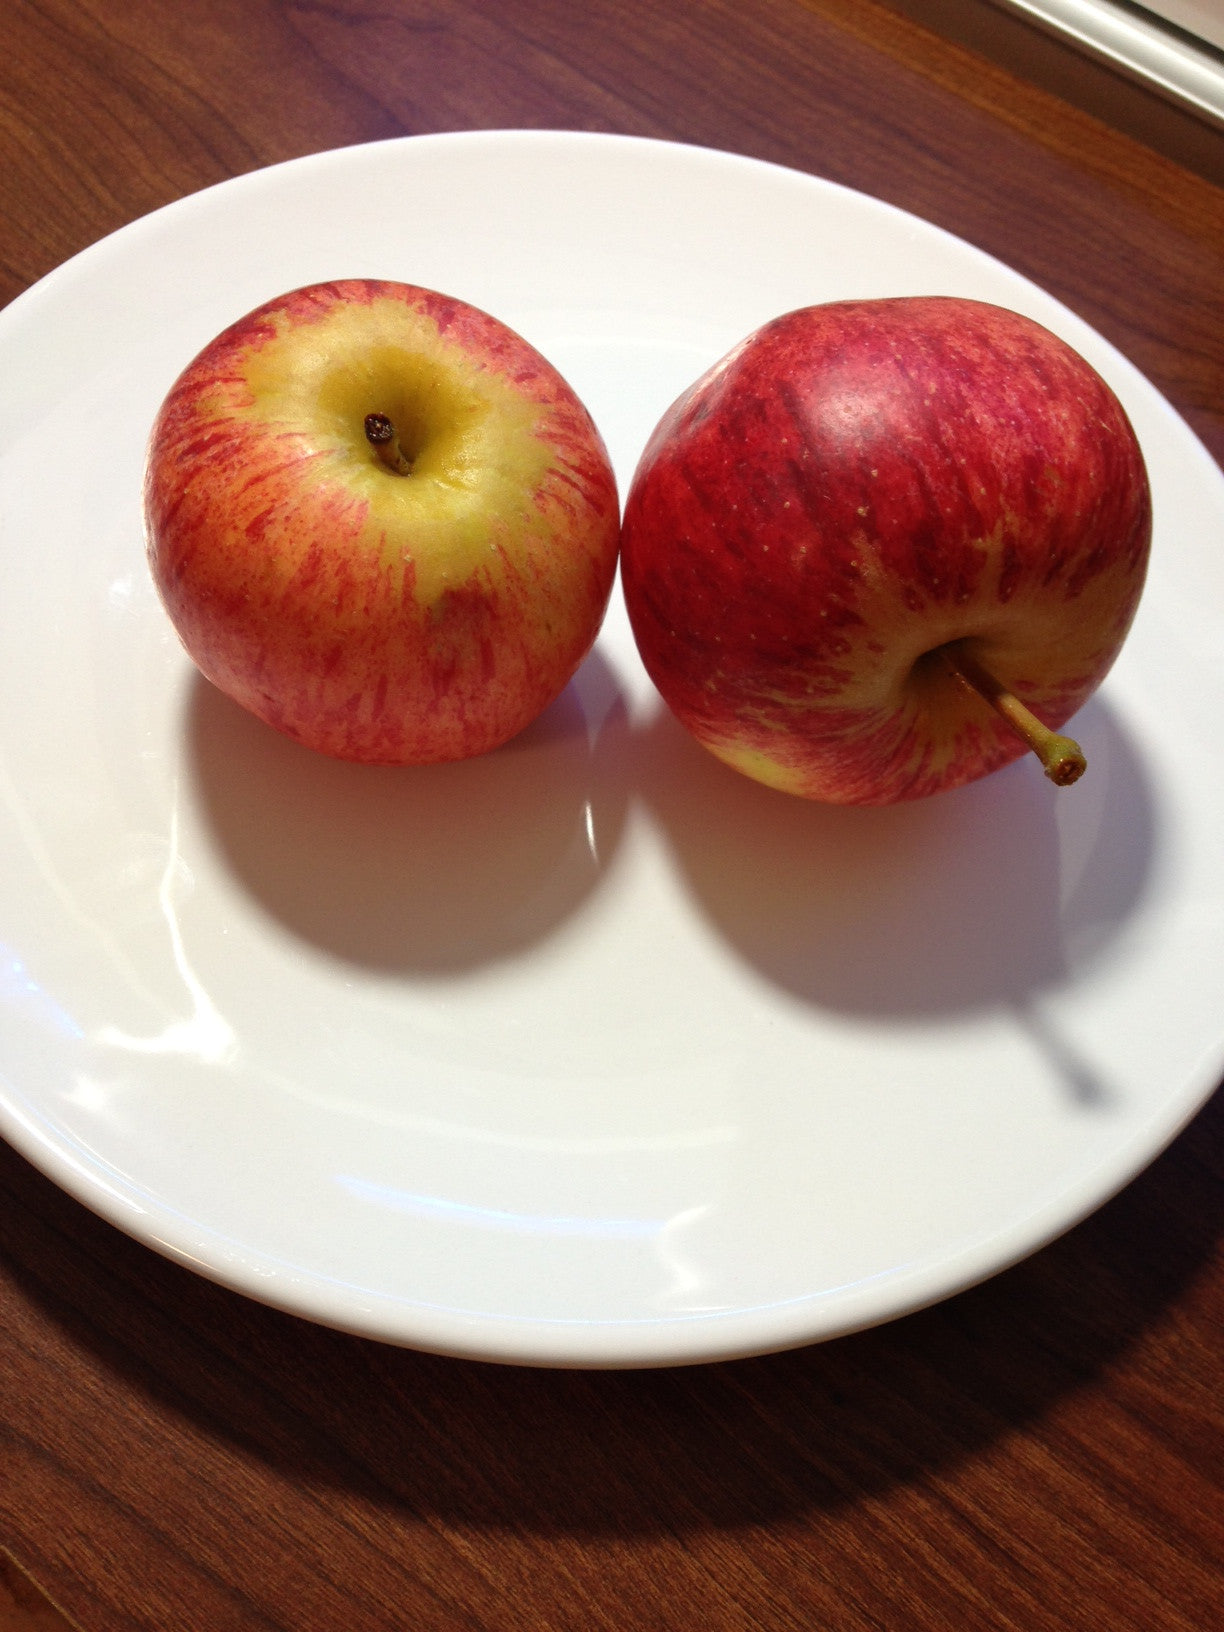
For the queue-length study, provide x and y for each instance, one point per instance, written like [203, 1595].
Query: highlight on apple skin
[411, 590]
[859, 513]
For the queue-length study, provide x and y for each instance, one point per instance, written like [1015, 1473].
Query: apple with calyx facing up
[885, 544]
[381, 521]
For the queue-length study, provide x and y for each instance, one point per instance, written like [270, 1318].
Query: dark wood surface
[1045, 1452]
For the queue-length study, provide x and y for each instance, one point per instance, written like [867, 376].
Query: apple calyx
[1061, 757]
[380, 434]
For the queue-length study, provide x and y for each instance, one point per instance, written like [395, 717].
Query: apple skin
[856, 486]
[374, 616]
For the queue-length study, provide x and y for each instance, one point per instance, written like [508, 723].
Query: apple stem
[1062, 759]
[380, 434]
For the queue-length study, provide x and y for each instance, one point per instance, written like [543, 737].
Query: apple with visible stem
[381, 521]
[885, 545]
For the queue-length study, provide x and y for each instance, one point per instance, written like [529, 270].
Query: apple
[381, 521]
[883, 544]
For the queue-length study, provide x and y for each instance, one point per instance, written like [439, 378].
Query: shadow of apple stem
[1084, 1084]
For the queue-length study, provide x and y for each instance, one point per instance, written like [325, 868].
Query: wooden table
[1044, 1452]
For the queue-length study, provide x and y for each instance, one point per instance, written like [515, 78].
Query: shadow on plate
[418, 870]
[977, 897]
[984, 898]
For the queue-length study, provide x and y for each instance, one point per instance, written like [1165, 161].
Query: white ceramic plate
[589, 1052]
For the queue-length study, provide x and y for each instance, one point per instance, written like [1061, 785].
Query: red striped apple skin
[387, 618]
[856, 486]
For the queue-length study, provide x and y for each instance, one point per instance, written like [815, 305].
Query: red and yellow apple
[879, 539]
[381, 521]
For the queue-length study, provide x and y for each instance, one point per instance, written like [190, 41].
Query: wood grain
[24, 1607]
[1043, 1452]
